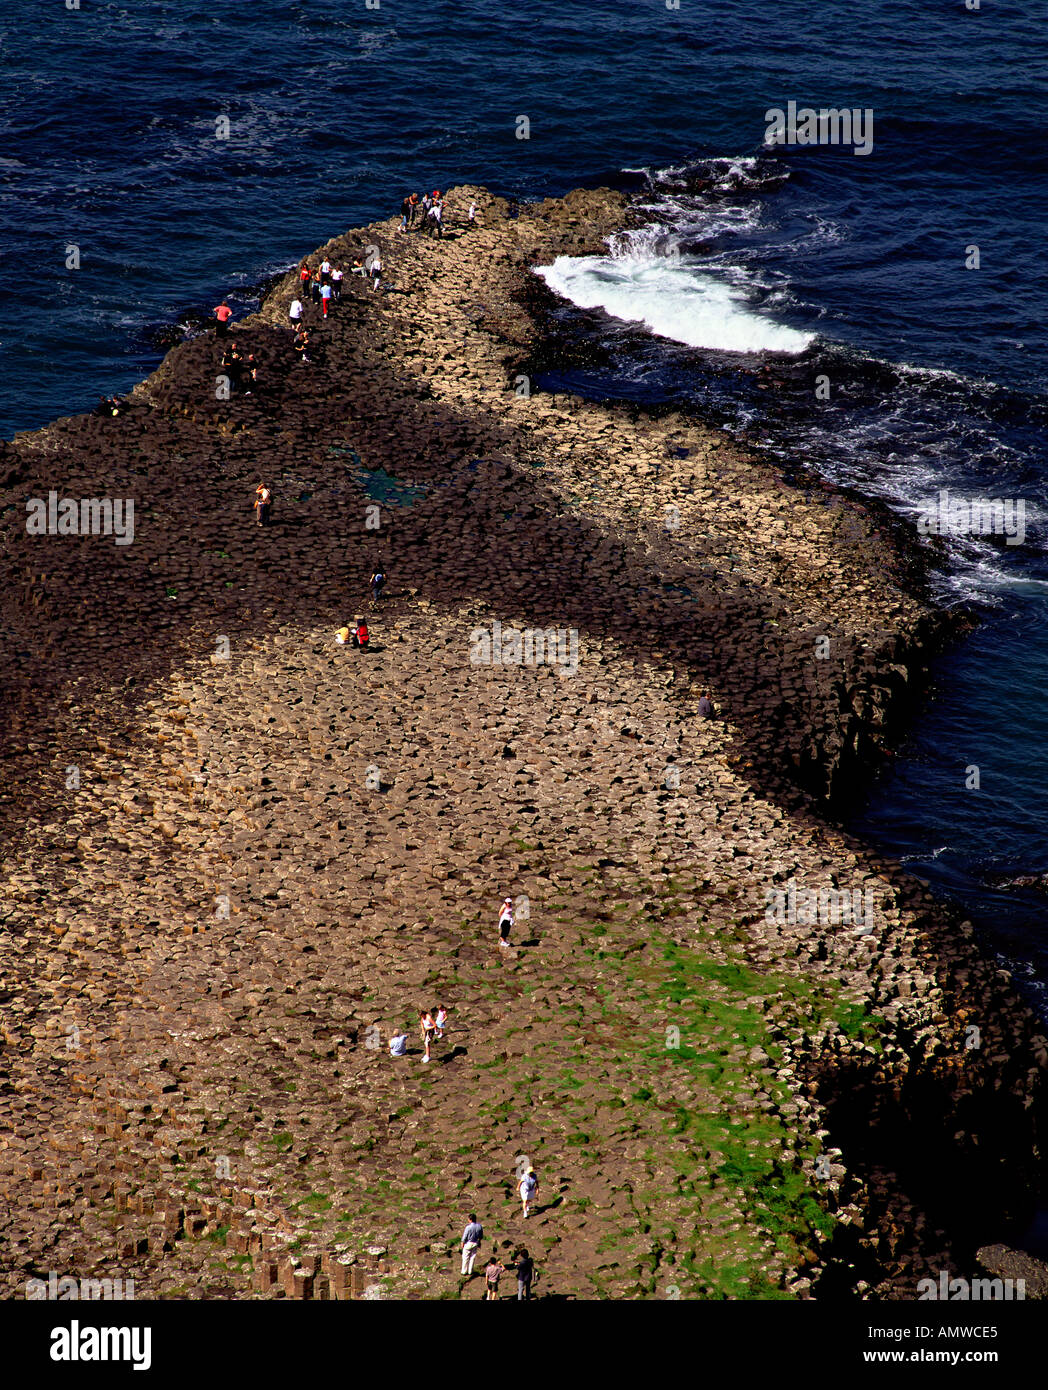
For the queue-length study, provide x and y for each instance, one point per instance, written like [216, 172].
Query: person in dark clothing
[525, 1274]
[705, 707]
[233, 365]
[378, 583]
[360, 635]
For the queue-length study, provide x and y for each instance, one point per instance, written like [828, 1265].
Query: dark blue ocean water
[806, 261]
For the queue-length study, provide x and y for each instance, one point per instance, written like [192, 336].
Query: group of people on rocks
[355, 636]
[110, 405]
[521, 1261]
[431, 1023]
[241, 371]
[322, 284]
[425, 213]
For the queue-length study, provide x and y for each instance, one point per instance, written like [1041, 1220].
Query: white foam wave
[672, 299]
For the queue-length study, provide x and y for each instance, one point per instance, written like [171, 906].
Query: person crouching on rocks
[263, 503]
[361, 636]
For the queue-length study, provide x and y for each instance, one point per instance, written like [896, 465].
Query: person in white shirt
[527, 1188]
[336, 281]
[295, 312]
[505, 919]
[398, 1043]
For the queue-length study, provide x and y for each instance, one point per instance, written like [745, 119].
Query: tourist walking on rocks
[428, 1029]
[440, 1019]
[493, 1272]
[304, 274]
[376, 272]
[471, 1238]
[398, 1043]
[505, 919]
[471, 217]
[325, 297]
[525, 1274]
[314, 286]
[223, 313]
[295, 312]
[405, 213]
[336, 281]
[526, 1189]
[436, 213]
[377, 583]
[263, 502]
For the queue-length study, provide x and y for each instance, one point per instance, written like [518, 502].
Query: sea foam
[673, 298]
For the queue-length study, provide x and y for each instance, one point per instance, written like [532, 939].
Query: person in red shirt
[361, 636]
[223, 313]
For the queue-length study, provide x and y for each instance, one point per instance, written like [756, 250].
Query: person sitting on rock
[342, 636]
[705, 707]
[361, 636]
[398, 1043]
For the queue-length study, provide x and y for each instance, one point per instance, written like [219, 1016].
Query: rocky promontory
[745, 1055]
